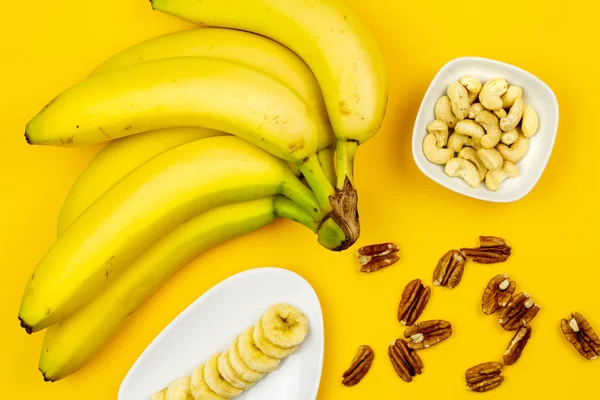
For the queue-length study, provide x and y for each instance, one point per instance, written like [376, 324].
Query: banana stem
[346, 150]
[297, 192]
[286, 208]
[317, 180]
[326, 159]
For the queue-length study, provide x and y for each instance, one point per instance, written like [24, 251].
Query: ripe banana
[229, 374]
[214, 380]
[284, 325]
[70, 344]
[187, 91]
[239, 366]
[333, 42]
[117, 159]
[265, 346]
[199, 388]
[252, 356]
[179, 389]
[148, 203]
[255, 51]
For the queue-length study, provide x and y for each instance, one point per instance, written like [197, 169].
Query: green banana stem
[295, 190]
[346, 150]
[326, 159]
[317, 180]
[286, 208]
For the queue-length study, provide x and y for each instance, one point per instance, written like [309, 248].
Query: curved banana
[187, 91]
[134, 214]
[333, 42]
[214, 380]
[117, 159]
[70, 344]
[255, 51]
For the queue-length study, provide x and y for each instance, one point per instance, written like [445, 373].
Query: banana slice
[284, 325]
[199, 388]
[179, 389]
[268, 348]
[229, 374]
[252, 356]
[215, 381]
[239, 366]
[159, 395]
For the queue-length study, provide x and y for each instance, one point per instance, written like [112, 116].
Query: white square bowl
[535, 93]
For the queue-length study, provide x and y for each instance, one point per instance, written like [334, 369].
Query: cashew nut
[515, 152]
[459, 167]
[492, 128]
[491, 92]
[440, 130]
[475, 109]
[470, 128]
[513, 118]
[459, 98]
[530, 122]
[443, 111]
[494, 178]
[491, 158]
[510, 137]
[435, 154]
[456, 142]
[501, 113]
[470, 154]
[473, 86]
[513, 93]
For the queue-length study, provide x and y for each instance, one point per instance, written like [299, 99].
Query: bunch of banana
[205, 129]
[252, 355]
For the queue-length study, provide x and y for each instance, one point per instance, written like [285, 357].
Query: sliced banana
[284, 325]
[159, 395]
[239, 366]
[252, 356]
[268, 348]
[179, 389]
[229, 374]
[199, 388]
[215, 381]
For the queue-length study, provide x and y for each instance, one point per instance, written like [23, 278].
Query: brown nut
[581, 335]
[374, 257]
[497, 294]
[360, 366]
[428, 333]
[449, 269]
[516, 345]
[406, 361]
[518, 312]
[491, 250]
[414, 299]
[484, 377]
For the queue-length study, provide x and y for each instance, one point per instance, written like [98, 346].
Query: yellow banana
[117, 159]
[187, 91]
[258, 52]
[333, 42]
[148, 203]
[70, 344]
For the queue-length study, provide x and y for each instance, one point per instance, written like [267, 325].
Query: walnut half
[415, 297]
[428, 333]
[484, 377]
[406, 361]
[581, 335]
[516, 345]
[497, 294]
[449, 270]
[361, 364]
[519, 311]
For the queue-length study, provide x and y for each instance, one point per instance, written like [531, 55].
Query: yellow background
[47, 46]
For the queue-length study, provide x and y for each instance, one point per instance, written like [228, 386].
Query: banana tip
[26, 326]
[27, 137]
[46, 378]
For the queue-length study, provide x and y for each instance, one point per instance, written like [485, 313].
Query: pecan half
[491, 250]
[427, 333]
[360, 366]
[519, 311]
[581, 335]
[516, 345]
[497, 294]
[406, 361]
[415, 297]
[377, 256]
[449, 270]
[484, 377]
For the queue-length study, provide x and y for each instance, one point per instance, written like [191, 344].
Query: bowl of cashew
[485, 129]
